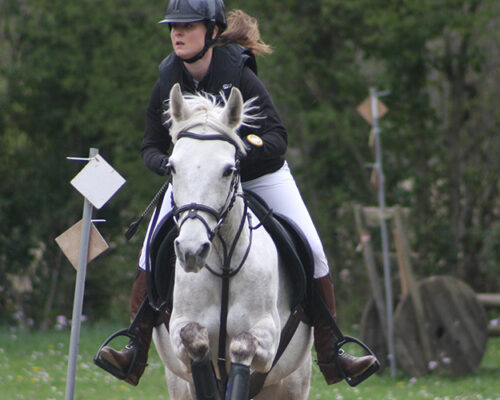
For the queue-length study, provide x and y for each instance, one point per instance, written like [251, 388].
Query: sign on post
[97, 182]
[372, 109]
[70, 239]
[366, 111]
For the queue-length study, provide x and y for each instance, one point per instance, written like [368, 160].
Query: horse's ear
[233, 111]
[177, 106]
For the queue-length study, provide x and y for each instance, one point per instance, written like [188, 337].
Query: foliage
[68, 90]
[77, 74]
[438, 60]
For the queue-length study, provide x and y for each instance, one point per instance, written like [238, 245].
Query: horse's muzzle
[192, 256]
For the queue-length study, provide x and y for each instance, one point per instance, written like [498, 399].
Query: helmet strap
[209, 42]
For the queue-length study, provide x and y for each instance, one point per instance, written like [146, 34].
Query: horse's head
[204, 169]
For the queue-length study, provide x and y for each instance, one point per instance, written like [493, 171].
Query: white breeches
[279, 190]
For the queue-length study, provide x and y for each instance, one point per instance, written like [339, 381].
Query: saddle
[292, 246]
[297, 258]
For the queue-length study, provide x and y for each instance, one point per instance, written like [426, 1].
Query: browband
[198, 136]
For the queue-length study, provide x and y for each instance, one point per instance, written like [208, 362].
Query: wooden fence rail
[490, 300]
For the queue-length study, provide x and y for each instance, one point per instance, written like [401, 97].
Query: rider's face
[188, 39]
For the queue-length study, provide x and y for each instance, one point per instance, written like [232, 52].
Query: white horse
[212, 218]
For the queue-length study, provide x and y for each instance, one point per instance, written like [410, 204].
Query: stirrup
[355, 380]
[107, 366]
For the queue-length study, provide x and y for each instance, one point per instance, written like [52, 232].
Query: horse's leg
[178, 388]
[293, 387]
[267, 334]
[243, 348]
[241, 353]
[296, 385]
[256, 346]
[195, 339]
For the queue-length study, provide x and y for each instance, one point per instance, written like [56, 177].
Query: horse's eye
[228, 171]
[171, 169]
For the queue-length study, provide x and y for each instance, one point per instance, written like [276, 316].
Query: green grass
[34, 366]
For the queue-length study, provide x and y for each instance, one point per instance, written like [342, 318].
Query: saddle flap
[292, 246]
[160, 264]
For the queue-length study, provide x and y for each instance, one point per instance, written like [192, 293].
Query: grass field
[33, 366]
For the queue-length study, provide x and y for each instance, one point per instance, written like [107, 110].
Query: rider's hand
[164, 168]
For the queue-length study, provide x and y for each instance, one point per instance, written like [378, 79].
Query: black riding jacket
[231, 65]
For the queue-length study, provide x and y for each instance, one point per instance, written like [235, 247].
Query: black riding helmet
[211, 11]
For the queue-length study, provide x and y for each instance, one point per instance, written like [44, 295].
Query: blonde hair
[243, 29]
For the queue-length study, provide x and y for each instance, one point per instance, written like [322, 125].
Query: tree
[438, 56]
[438, 59]
[75, 75]
[67, 89]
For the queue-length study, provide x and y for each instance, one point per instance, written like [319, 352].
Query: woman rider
[212, 54]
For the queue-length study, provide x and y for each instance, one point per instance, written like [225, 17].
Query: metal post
[79, 293]
[383, 230]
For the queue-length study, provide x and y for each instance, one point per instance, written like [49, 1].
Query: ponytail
[243, 29]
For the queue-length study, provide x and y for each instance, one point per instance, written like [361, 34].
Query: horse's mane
[205, 110]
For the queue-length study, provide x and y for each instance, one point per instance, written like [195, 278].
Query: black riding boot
[325, 340]
[142, 330]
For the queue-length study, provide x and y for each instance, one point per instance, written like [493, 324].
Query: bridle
[193, 208]
[193, 212]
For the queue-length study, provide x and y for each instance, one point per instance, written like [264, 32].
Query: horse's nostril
[204, 250]
[178, 250]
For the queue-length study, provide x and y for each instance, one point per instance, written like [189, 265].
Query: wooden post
[371, 268]
[408, 280]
